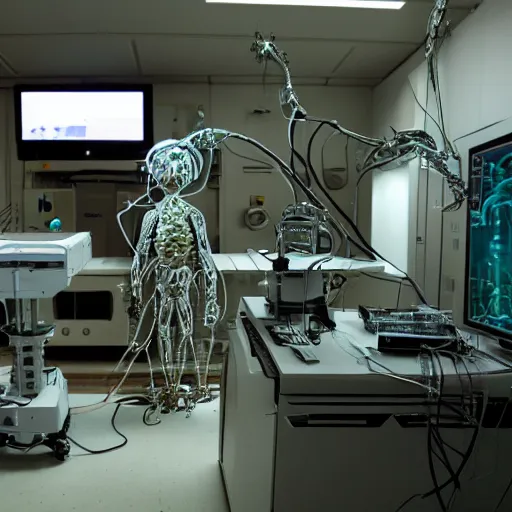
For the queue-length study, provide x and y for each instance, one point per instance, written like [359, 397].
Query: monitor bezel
[85, 150]
[498, 333]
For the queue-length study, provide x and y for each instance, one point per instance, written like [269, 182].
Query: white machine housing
[44, 262]
[105, 324]
[32, 266]
[336, 436]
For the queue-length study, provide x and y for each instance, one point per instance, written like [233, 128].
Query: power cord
[127, 401]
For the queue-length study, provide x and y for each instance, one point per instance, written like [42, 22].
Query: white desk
[107, 267]
[321, 436]
[255, 262]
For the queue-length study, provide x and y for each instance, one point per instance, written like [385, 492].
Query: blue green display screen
[489, 238]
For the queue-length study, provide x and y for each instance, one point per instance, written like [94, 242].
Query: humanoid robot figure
[171, 255]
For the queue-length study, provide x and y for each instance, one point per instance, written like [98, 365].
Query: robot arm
[266, 50]
[404, 146]
[434, 22]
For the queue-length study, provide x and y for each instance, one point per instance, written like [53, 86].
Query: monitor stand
[507, 345]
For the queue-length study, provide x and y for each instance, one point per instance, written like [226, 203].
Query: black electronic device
[421, 321]
[488, 271]
[407, 343]
[83, 122]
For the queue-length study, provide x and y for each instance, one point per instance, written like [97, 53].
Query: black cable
[129, 401]
[398, 280]
[465, 456]
[6, 402]
[368, 247]
[430, 432]
[436, 432]
[407, 501]
[248, 158]
[425, 111]
[437, 490]
[368, 250]
[294, 153]
[308, 193]
[503, 496]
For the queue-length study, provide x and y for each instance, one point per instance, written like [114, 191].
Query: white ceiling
[188, 40]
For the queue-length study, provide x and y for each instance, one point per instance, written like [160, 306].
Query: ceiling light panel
[360, 4]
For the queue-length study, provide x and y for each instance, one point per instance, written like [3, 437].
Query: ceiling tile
[349, 82]
[198, 17]
[257, 80]
[160, 55]
[374, 60]
[69, 55]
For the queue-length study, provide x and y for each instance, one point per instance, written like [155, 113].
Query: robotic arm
[404, 146]
[266, 50]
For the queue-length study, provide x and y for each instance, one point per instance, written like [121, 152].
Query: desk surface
[255, 262]
[107, 267]
[341, 356]
[249, 262]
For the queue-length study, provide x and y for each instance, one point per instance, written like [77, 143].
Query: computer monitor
[100, 122]
[488, 286]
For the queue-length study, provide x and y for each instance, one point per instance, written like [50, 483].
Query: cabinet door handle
[338, 420]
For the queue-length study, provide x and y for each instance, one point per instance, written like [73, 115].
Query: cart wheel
[62, 449]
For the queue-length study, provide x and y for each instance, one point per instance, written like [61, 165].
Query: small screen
[489, 244]
[82, 116]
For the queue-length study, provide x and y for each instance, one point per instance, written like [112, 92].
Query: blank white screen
[82, 116]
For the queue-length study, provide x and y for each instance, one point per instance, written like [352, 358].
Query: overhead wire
[294, 153]
[367, 246]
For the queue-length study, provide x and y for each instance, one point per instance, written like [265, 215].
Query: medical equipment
[356, 423]
[92, 310]
[34, 408]
[303, 229]
[488, 301]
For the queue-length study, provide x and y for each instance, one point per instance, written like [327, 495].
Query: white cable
[366, 355]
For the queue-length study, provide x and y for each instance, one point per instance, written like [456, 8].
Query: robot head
[174, 165]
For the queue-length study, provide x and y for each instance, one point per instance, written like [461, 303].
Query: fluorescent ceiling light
[361, 4]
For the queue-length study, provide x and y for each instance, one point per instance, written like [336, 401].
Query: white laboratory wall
[475, 76]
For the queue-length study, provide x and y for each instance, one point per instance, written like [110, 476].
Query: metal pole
[33, 314]
[18, 306]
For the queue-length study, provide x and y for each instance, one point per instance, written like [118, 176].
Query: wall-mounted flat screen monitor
[488, 296]
[84, 122]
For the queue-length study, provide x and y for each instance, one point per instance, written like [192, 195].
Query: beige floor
[169, 467]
